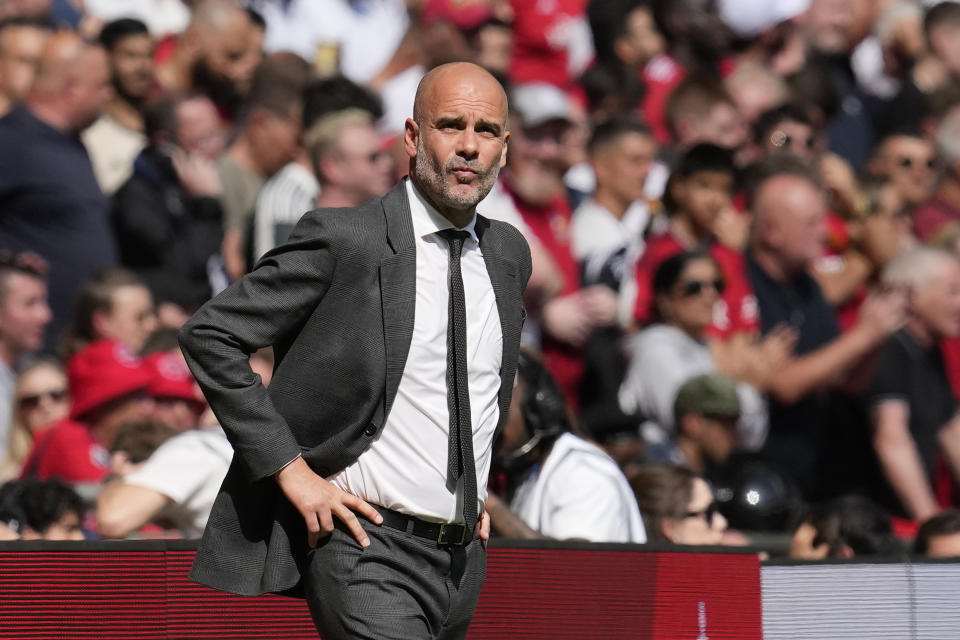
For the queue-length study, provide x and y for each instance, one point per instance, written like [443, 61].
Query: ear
[503, 153]
[100, 321]
[411, 133]
[330, 168]
[669, 529]
[623, 51]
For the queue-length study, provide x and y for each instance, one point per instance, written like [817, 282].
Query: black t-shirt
[797, 442]
[916, 375]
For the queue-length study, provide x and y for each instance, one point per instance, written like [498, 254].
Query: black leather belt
[441, 533]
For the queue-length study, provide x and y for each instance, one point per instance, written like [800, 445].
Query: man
[367, 411]
[909, 162]
[939, 537]
[115, 139]
[51, 202]
[944, 206]
[700, 110]
[913, 410]
[559, 485]
[345, 151]
[166, 217]
[46, 509]
[787, 235]
[21, 43]
[24, 315]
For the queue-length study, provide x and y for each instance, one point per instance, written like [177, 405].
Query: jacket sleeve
[259, 310]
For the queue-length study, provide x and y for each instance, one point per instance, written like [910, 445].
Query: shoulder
[510, 241]
[346, 223]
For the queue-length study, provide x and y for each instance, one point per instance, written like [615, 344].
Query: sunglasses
[692, 288]
[905, 162]
[33, 401]
[707, 514]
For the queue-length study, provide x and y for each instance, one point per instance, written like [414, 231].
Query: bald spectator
[787, 235]
[51, 202]
[216, 55]
[700, 110]
[944, 206]
[115, 139]
[913, 410]
[21, 43]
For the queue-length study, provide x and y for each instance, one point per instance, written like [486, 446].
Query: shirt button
[370, 430]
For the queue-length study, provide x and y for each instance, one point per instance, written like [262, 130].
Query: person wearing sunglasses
[677, 505]
[908, 162]
[944, 205]
[39, 399]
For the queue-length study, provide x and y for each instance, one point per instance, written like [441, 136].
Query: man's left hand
[482, 529]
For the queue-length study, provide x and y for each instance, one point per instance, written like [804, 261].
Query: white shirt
[405, 468]
[579, 492]
[282, 202]
[189, 469]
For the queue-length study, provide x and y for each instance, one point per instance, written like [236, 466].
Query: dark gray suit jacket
[337, 304]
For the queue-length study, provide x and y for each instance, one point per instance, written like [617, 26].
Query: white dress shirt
[405, 468]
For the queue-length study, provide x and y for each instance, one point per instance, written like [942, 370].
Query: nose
[468, 144]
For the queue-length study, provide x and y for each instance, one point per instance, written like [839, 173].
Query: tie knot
[454, 236]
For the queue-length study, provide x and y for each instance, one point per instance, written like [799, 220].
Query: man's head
[701, 186]
[909, 162]
[114, 304]
[21, 44]
[787, 129]
[939, 537]
[789, 214]
[189, 122]
[72, 84]
[457, 138]
[24, 312]
[130, 47]
[177, 399]
[701, 110]
[345, 151]
[695, 24]
[706, 411]
[624, 31]
[51, 510]
[941, 25]
[828, 25]
[621, 153]
[932, 277]
[756, 88]
[845, 527]
[544, 118]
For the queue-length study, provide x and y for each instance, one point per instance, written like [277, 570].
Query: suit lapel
[398, 290]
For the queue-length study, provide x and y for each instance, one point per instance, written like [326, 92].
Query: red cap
[463, 14]
[171, 377]
[101, 372]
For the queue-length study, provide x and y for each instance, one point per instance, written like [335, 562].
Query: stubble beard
[434, 176]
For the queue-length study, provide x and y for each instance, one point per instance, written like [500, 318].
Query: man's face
[24, 313]
[275, 139]
[20, 49]
[364, 169]
[945, 41]
[828, 24]
[703, 196]
[494, 44]
[132, 64]
[461, 142]
[623, 166]
[796, 221]
[92, 89]
[131, 318]
[227, 53]
[641, 42]
[723, 127]
[199, 130]
[718, 437]
[937, 302]
[910, 165]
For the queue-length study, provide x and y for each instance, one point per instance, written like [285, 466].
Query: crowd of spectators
[744, 220]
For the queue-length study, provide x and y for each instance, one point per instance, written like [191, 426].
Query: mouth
[464, 173]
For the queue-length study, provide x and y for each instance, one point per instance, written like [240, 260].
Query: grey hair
[915, 268]
[948, 137]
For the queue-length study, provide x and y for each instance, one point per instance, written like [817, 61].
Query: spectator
[846, 527]
[944, 205]
[561, 486]
[909, 162]
[766, 35]
[941, 25]
[50, 199]
[706, 413]
[115, 139]
[108, 385]
[913, 410]
[40, 398]
[939, 536]
[113, 305]
[700, 110]
[787, 235]
[135, 442]
[24, 314]
[345, 152]
[756, 88]
[267, 141]
[215, 56]
[21, 43]
[677, 505]
[167, 217]
[176, 397]
[51, 510]
[666, 354]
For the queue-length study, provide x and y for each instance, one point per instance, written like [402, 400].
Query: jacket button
[370, 430]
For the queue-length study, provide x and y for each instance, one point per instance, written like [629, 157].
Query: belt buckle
[450, 528]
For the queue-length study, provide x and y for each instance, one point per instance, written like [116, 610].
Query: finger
[326, 522]
[484, 526]
[356, 504]
[353, 523]
[313, 529]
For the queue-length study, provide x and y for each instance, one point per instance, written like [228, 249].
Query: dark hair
[607, 82]
[113, 32]
[663, 492]
[943, 524]
[160, 341]
[25, 264]
[697, 94]
[45, 502]
[814, 82]
[769, 119]
[608, 21]
[256, 18]
[96, 294]
[25, 21]
[140, 438]
[608, 133]
[279, 82]
[939, 15]
[855, 522]
[337, 93]
[701, 157]
[668, 274]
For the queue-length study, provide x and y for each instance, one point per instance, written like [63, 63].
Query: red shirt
[932, 215]
[551, 225]
[736, 311]
[838, 240]
[545, 32]
[68, 452]
[660, 77]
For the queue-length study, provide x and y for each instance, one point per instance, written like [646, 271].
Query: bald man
[359, 477]
[788, 234]
[51, 202]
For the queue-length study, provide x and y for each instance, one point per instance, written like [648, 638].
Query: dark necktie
[460, 461]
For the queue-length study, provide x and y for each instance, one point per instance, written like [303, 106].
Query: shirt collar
[427, 220]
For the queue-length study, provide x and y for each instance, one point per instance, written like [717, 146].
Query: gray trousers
[401, 587]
